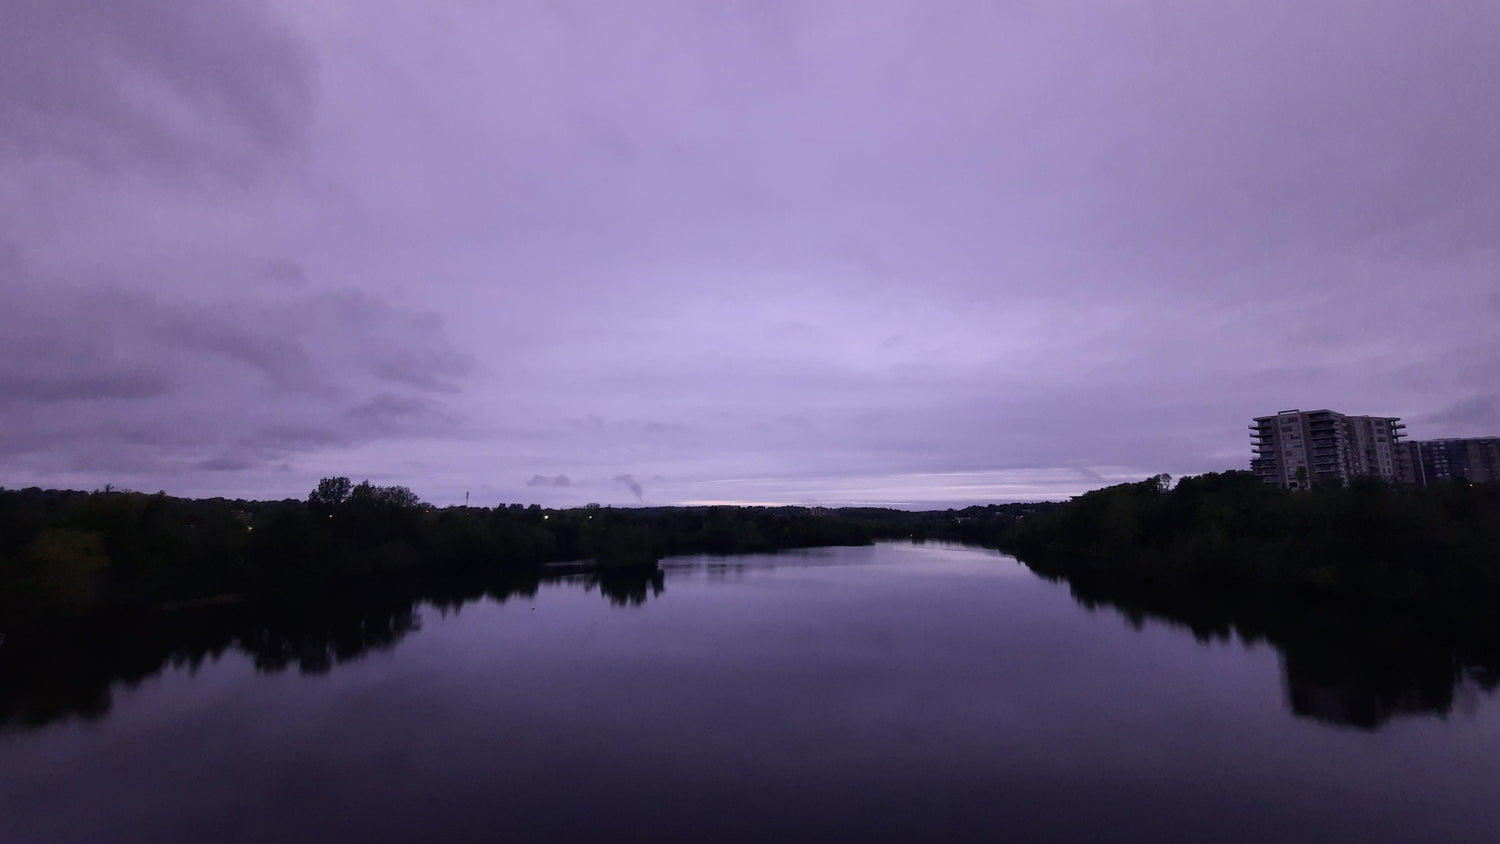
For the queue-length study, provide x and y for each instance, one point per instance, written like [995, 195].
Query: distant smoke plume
[633, 485]
[555, 480]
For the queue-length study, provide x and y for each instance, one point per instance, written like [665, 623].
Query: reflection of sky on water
[887, 693]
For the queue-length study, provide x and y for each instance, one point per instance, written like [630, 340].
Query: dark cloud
[210, 331]
[552, 481]
[167, 86]
[387, 409]
[52, 351]
[131, 379]
[630, 483]
[71, 386]
[295, 436]
[1476, 416]
[1091, 477]
[226, 464]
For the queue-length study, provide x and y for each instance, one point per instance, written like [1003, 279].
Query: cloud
[167, 87]
[1475, 416]
[123, 377]
[390, 412]
[631, 484]
[55, 386]
[226, 464]
[284, 272]
[801, 248]
[1089, 475]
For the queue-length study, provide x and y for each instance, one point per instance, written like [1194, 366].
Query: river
[897, 692]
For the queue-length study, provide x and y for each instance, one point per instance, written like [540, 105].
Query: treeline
[1371, 542]
[1383, 599]
[66, 554]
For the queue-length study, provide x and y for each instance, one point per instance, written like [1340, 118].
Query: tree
[331, 492]
[363, 494]
[398, 496]
[367, 495]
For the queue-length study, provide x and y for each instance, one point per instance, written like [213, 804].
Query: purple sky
[910, 254]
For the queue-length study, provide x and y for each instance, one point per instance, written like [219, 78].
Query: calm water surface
[897, 693]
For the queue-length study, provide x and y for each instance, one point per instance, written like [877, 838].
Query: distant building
[1298, 448]
[1475, 459]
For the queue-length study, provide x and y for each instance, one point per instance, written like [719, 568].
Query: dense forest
[65, 554]
[1369, 542]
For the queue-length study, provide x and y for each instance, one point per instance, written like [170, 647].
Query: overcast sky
[903, 253]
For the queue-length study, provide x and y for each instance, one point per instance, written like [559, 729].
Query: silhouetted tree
[330, 493]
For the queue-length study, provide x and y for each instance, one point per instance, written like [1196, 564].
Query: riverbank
[66, 554]
[1371, 543]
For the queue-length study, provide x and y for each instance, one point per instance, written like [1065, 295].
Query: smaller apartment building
[1474, 459]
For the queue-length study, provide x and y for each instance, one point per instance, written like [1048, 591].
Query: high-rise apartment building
[1298, 448]
[1475, 459]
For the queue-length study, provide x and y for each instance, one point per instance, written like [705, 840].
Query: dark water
[894, 693]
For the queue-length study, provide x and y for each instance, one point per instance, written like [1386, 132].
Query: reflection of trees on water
[72, 671]
[1339, 666]
[625, 587]
[1344, 688]
[316, 643]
